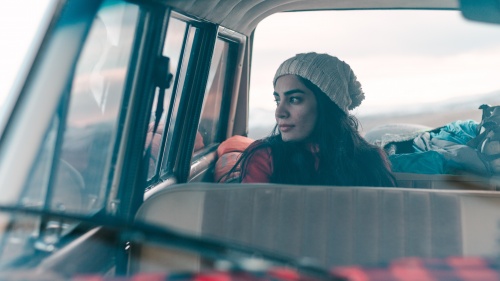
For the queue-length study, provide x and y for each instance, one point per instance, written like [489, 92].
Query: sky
[400, 57]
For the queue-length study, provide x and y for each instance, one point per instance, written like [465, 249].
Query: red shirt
[259, 167]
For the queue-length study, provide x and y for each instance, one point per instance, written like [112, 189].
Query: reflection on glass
[191, 34]
[208, 128]
[176, 32]
[71, 171]
[96, 98]
[79, 184]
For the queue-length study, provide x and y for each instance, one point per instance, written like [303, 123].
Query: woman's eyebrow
[293, 91]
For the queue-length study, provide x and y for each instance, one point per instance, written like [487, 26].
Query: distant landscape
[432, 115]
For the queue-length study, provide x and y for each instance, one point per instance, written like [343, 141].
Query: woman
[315, 140]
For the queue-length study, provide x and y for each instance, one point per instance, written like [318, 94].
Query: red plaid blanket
[406, 269]
[413, 269]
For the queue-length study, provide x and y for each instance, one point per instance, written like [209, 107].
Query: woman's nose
[281, 111]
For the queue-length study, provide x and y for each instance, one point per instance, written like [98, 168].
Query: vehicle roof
[244, 15]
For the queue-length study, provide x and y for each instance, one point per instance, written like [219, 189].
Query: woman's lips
[285, 128]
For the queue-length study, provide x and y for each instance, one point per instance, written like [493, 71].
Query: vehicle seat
[333, 225]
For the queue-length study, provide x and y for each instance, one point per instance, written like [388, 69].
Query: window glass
[73, 164]
[25, 227]
[208, 129]
[172, 49]
[192, 34]
[90, 125]
[96, 96]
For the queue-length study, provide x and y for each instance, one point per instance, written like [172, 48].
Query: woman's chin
[291, 138]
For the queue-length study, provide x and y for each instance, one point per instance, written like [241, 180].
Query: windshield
[421, 67]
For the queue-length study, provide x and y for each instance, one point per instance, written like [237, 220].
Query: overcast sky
[400, 57]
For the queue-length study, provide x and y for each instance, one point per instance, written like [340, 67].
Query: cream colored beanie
[331, 75]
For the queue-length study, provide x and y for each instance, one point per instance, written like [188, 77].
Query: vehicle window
[191, 36]
[209, 127]
[95, 99]
[176, 33]
[71, 173]
[25, 228]
[90, 118]
[426, 72]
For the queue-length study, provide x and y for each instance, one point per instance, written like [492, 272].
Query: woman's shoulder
[260, 145]
[258, 166]
[260, 149]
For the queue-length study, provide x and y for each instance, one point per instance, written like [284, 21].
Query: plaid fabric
[406, 269]
[274, 274]
[413, 269]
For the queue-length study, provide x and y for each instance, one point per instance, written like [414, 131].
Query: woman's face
[295, 108]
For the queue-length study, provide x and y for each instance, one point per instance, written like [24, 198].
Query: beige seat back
[333, 225]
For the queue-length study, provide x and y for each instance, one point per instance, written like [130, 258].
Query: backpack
[487, 141]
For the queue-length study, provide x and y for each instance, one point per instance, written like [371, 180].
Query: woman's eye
[277, 101]
[295, 100]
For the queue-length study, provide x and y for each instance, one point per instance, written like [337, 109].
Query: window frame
[239, 42]
[204, 159]
[125, 186]
[173, 162]
[190, 78]
[128, 183]
[178, 87]
[225, 96]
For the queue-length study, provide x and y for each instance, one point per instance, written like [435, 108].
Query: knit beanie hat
[331, 75]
